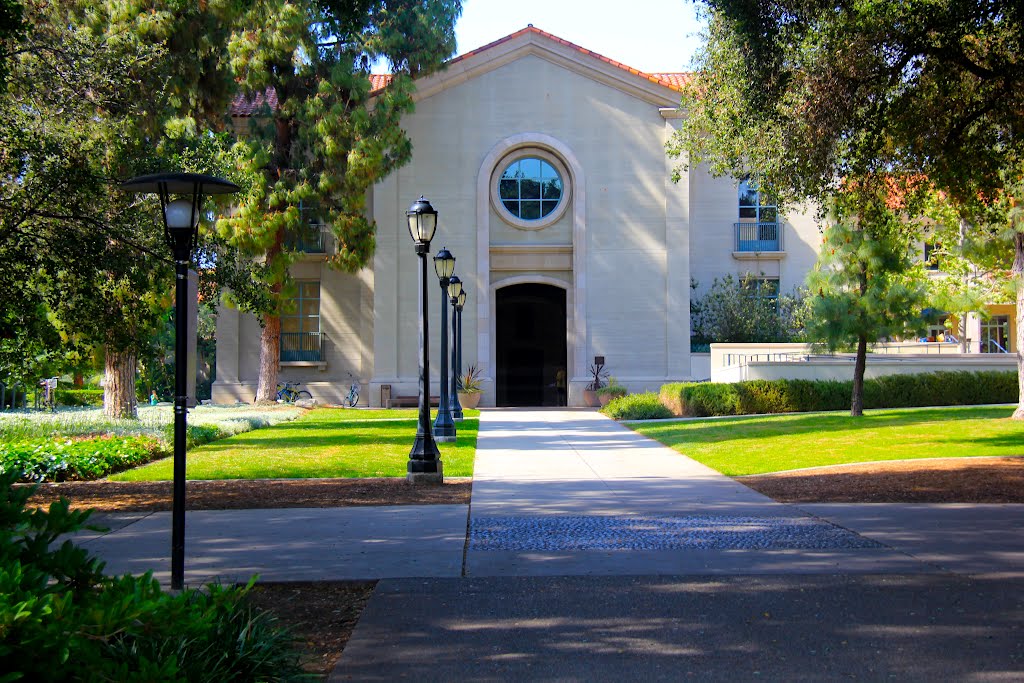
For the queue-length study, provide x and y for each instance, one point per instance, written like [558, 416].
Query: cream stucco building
[547, 165]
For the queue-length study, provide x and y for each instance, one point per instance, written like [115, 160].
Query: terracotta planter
[469, 401]
[590, 398]
[605, 399]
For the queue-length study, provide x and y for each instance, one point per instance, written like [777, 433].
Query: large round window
[530, 188]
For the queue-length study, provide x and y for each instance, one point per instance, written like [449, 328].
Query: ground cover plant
[62, 619]
[326, 442]
[757, 445]
[84, 444]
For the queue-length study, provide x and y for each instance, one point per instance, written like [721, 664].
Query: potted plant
[469, 387]
[597, 377]
[613, 390]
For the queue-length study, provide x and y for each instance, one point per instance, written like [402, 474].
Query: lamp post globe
[444, 425]
[181, 220]
[454, 290]
[424, 459]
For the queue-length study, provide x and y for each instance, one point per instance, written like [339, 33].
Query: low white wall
[700, 366]
[841, 367]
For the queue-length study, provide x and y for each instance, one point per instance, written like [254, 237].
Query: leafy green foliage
[646, 406]
[62, 619]
[62, 460]
[78, 397]
[311, 159]
[614, 390]
[787, 395]
[737, 310]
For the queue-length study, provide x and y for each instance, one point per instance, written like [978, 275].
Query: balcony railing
[302, 347]
[757, 237]
[311, 239]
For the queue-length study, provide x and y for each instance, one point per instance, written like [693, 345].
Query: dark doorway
[531, 355]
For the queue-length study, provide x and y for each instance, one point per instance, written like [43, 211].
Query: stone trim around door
[576, 311]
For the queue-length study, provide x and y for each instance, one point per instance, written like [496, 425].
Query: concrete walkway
[572, 492]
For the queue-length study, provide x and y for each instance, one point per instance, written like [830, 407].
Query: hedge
[61, 460]
[79, 397]
[636, 407]
[701, 399]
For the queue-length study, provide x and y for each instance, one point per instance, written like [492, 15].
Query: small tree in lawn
[865, 286]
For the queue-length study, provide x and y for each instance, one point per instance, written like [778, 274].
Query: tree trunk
[857, 400]
[1018, 275]
[270, 356]
[119, 384]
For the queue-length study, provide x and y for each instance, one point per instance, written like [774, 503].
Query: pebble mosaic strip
[659, 533]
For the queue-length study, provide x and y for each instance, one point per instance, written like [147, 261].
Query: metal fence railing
[757, 237]
[302, 346]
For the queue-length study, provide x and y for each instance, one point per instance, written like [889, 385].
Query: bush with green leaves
[747, 309]
[62, 619]
[700, 399]
[613, 390]
[645, 406]
[78, 397]
[65, 459]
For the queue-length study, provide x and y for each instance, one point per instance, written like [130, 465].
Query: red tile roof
[241, 106]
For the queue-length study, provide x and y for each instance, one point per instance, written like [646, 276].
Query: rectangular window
[766, 289]
[995, 334]
[931, 256]
[300, 324]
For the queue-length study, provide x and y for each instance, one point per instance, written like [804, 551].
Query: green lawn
[755, 445]
[327, 442]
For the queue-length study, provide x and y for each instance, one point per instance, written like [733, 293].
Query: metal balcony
[757, 237]
[302, 347]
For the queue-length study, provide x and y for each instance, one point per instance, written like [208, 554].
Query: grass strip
[757, 445]
[326, 442]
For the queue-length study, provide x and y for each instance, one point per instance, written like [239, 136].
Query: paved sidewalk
[563, 492]
[321, 544]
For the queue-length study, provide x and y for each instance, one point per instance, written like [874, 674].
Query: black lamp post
[458, 308]
[424, 458]
[181, 218]
[454, 289]
[444, 426]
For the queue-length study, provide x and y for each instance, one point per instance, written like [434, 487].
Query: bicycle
[49, 386]
[353, 393]
[287, 393]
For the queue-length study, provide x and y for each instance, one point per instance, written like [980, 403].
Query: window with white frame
[754, 205]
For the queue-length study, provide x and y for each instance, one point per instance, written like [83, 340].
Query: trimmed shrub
[61, 460]
[794, 395]
[700, 399]
[637, 407]
[79, 397]
[64, 620]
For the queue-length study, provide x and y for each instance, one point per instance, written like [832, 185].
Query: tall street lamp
[424, 458]
[458, 307]
[444, 426]
[454, 289]
[181, 220]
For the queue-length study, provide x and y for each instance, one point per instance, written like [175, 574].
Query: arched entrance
[530, 345]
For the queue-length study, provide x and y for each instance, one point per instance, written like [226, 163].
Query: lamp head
[454, 288]
[444, 264]
[422, 222]
[462, 299]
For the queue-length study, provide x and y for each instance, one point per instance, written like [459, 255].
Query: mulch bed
[945, 480]
[321, 615]
[240, 494]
